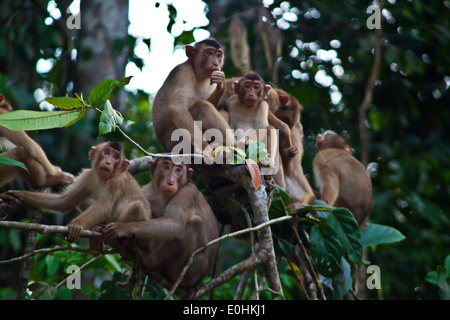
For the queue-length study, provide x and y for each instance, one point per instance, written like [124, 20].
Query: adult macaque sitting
[342, 179]
[191, 93]
[107, 192]
[182, 221]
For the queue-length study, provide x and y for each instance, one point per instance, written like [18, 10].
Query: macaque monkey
[182, 221]
[297, 186]
[41, 172]
[274, 102]
[191, 93]
[107, 192]
[342, 179]
[248, 110]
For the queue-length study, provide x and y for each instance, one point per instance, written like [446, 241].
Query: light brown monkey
[247, 110]
[182, 221]
[191, 93]
[107, 192]
[342, 179]
[273, 100]
[297, 186]
[41, 172]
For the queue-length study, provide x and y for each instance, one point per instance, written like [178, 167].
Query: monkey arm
[183, 120]
[94, 215]
[62, 203]
[47, 201]
[285, 132]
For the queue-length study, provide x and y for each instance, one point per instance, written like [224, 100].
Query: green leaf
[325, 249]
[348, 232]
[66, 103]
[40, 120]
[256, 152]
[276, 209]
[52, 264]
[102, 91]
[12, 162]
[113, 261]
[109, 119]
[376, 234]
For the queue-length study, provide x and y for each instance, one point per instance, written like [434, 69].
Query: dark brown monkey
[342, 179]
[191, 93]
[297, 186]
[247, 110]
[107, 192]
[41, 172]
[182, 221]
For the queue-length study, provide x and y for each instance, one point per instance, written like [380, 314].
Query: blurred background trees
[324, 58]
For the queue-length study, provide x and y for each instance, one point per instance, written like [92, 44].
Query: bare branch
[46, 229]
[363, 130]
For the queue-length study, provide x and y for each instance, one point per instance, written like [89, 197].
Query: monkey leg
[134, 212]
[36, 176]
[205, 112]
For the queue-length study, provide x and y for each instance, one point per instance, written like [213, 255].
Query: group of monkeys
[169, 218]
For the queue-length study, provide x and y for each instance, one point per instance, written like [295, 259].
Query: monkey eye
[209, 52]
[116, 156]
[179, 169]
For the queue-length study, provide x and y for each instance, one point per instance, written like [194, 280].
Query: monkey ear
[235, 86]
[266, 90]
[2, 97]
[92, 152]
[283, 99]
[189, 50]
[125, 164]
[152, 166]
[190, 172]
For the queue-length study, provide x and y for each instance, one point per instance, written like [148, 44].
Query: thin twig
[56, 249]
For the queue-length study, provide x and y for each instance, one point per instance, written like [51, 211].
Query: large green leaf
[66, 103]
[348, 232]
[325, 249]
[102, 91]
[12, 162]
[376, 234]
[109, 119]
[39, 120]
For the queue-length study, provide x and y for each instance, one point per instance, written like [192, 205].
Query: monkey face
[212, 58]
[109, 161]
[171, 177]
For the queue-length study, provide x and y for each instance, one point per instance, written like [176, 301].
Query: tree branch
[46, 229]
[363, 130]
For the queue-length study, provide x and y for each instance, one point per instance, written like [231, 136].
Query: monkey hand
[20, 195]
[114, 230]
[74, 232]
[218, 77]
[292, 151]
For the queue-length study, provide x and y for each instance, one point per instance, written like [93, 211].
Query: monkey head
[170, 176]
[108, 159]
[289, 108]
[206, 55]
[331, 139]
[251, 89]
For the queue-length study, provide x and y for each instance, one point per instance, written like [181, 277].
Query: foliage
[408, 118]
